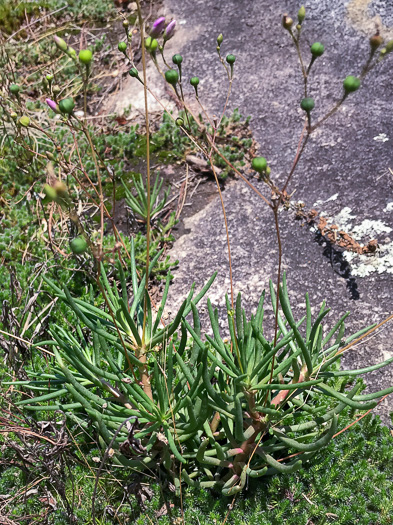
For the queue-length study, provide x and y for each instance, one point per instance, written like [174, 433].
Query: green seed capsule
[220, 39]
[13, 115]
[122, 47]
[56, 90]
[49, 77]
[317, 49]
[71, 52]
[172, 77]
[125, 24]
[85, 56]
[351, 84]
[259, 164]
[24, 121]
[307, 104]
[78, 245]
[133, 72]
[301, 14]
[177, 59]
[67, 105]
[194, 81]
[179, 122]
[14, 89]
[231, 59]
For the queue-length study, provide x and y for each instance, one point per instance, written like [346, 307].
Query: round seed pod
[301, 14]
[56, 90]
[49, 77]
[67, 105]
[122, 47]
[375, 42]
[317, 49]
[13, 115]
[177, 59]
[307, 104]
[172, 77]
[125, 24]
[179, 122]
[220, 39]
[194, 81]
[231, 59]
[133, 72]
[287, 22]
[24, 121]
[14, 89]
[351, 84]
[85, 56]
[78, 245]
[259, 164]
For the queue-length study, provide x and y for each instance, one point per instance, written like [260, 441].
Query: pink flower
[54, 107]
[158, 27]
[170, 30]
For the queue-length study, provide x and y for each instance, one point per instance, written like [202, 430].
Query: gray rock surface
[344, 171]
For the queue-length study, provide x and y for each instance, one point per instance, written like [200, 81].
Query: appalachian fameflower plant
[204, 407]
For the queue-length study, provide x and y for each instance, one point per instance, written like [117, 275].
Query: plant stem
[142, 357]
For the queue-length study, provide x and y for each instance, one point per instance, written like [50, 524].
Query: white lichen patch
[364, 265]
[382, 137]
[370, 229]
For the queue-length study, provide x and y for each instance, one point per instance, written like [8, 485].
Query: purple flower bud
[52, 105]
[158, 27]
[170, 30]
[60, 43]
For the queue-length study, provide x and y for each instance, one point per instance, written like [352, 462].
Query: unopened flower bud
[71, 52]
[50, 191]
[387, 49]
[301, 14]
[220, 39]
[49, 155]
[351, 84]
[317, 49]
[61, 190]
[179, 122]
[268, 171]
[54, 107]
[172, 77]
[259, 164]
[158, 27]
[170, 30]
[85, 56]
[60, 43]
[287, 22]
[151, 44]
[24, 121]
